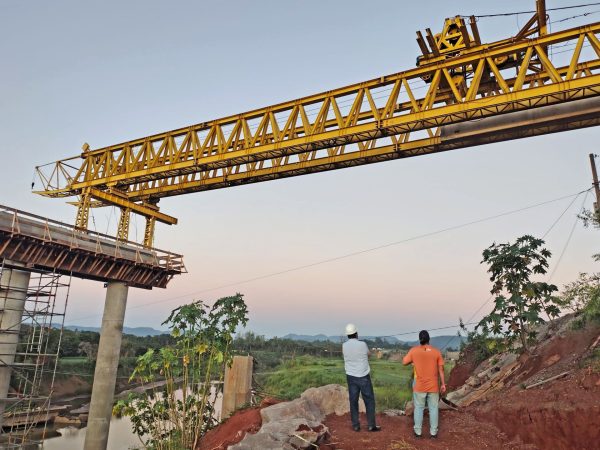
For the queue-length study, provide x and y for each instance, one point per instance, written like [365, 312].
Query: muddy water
[120, 437]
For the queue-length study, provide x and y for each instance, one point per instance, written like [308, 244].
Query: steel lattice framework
[424, 110]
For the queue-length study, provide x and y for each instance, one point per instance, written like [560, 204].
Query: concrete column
[107, 362]
[237, 388]
[13, 293]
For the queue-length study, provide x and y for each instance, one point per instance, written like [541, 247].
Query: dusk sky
[106, 72]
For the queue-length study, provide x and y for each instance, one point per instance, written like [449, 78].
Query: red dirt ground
[458, 430]
[232, 430]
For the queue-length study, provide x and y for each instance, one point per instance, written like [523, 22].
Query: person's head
[351, 331]
[423, 337]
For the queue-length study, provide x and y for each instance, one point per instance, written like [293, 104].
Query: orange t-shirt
[426, 362]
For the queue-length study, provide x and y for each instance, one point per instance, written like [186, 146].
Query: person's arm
[441, 370]
[408, 358]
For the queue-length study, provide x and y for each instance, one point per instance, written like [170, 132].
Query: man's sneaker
[418, 436]
[375, 428]
[356, 427]
[433, 436]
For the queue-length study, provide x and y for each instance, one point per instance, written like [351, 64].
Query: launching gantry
[474, 93]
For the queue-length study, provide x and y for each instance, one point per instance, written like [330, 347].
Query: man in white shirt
[356, 363]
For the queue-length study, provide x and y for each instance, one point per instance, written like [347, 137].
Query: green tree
[182, 411]
[577, 294]
[519, 301]
[591, 219]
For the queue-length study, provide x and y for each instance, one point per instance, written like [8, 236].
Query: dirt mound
[463, 369]
[232, 430]
[562, 411]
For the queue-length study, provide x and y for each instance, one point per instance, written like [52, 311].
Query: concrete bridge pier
[13, 294]
[107, 362]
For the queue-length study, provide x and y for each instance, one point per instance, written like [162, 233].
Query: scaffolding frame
[28, 403]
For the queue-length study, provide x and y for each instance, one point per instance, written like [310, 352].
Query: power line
[429, 329]
[544, 236]
[349, 255]
[560, 8]
[563, 213]
[562, 253]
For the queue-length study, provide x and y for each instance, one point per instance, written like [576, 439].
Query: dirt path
[458, 430]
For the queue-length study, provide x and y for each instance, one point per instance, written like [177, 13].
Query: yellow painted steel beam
[126, 204]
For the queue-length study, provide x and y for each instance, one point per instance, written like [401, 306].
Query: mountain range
[445, 341]
[136, 331]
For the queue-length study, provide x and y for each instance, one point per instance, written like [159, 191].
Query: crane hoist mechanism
[461, 93]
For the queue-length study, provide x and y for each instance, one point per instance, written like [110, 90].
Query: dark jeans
[362, 386]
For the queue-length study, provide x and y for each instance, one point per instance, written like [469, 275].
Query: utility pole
[595, 183]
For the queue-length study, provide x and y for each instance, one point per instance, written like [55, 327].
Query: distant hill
[136, 331]
[325, 338]
[444, 342]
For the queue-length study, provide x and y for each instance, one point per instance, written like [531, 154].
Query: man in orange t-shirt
[428, 369]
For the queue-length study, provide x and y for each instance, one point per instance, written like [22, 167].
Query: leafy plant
[583, 297]
[591, 218]
[577, 294]
[479, 343]
[178, 413]
[519, 301]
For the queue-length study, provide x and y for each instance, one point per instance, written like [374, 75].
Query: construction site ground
[500, 411]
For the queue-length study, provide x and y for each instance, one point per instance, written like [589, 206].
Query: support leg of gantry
[107, 362]
[13, 294]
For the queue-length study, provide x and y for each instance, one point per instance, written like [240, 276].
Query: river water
[120, 437]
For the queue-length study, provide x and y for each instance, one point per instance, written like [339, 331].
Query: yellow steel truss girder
[160, 156]
[457, 112]
[509, 130]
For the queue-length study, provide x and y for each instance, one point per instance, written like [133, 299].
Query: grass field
[391, 380]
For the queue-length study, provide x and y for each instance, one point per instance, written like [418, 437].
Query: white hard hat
[350, 329]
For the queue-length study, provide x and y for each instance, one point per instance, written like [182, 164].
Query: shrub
[182, 411]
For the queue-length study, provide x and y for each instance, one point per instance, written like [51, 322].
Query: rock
[393, 412]
[309, 437]
[473, 381]
[330, 399]
[409, 408]
[260, 440]
[298, 408]
[62, 420]
[285, 434]
[297, 424]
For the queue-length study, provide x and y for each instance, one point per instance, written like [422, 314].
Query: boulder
[330, 399]
[285, 434]
[298, 408]
[297, 424]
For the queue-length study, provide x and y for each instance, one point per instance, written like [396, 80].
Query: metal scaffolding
[27, 404]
